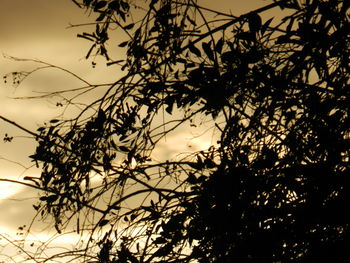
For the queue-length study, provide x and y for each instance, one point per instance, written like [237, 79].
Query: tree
[275, 186]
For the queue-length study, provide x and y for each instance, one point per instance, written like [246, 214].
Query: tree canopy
[273, 188]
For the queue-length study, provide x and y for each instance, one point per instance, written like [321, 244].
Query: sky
[35, 29]
[39, 29]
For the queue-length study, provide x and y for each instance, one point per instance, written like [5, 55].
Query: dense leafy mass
[274, 188]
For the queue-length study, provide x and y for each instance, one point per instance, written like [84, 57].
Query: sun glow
[8, 189]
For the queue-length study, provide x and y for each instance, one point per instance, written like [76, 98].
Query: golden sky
[33, 29]
[38, 29]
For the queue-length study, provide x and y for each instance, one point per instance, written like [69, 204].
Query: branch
[19, 126]
[48, 65]
[230, 23]
[19, 248]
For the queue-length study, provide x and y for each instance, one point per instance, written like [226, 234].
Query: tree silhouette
[274, 188]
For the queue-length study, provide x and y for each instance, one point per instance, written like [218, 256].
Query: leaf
[265, 25]
[192, 179]
[100, 5]
[115, 207]
[208, 51]
[87, 2]
[90, 50]
[176, 75]
[114, 62]
[123, 44]
[125, 5]
[199, 165]
[170, 104]
[219, 45]
[101, 16]
[191, 21]
[103, 222]
[254, 22]
[290, 25]
[246, 36]
[54, 121]
[200, 162]
[58, 229]
[148, 209]
[29, 178]
[51, 198]
[128, 27]
[169, 109]
[160, 240]
[101, 117]
[131, 154]
[194, 50]
[163, 250]
[114, 5]
[75, 2]
[181, 60]
[283, 39]
[190, 65]
[85, 37]
[123, 148]
[289, 4]
[122, 15]
[209, 163]
[43, 198]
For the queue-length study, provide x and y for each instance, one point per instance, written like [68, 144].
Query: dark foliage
[275, 188]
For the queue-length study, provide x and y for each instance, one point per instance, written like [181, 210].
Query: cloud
[15, 206]
[7, 190]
